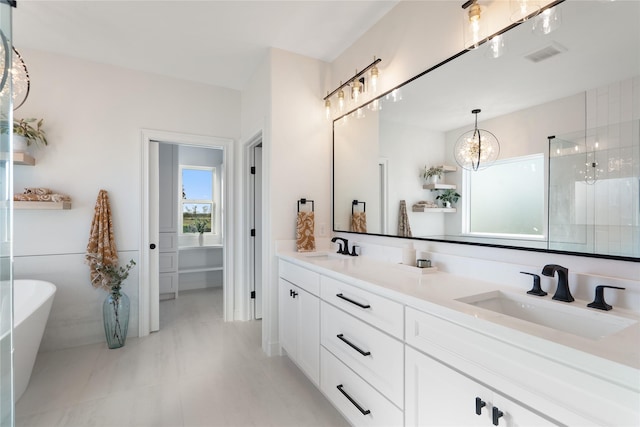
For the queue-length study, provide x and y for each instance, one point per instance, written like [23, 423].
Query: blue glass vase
[115, 311]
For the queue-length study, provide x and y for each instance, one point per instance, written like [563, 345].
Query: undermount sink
[552, 314]
[323, 255]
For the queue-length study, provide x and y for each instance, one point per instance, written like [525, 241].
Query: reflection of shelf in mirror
[439, 186]
[450, 210]
[42, 205]
[447, 168]
[23, 159]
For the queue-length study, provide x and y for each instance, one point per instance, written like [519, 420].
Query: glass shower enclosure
[6, 228]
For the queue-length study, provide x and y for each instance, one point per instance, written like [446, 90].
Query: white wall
[299, 157]
[93, 115]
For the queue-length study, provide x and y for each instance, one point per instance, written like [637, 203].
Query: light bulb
[521, 10]
[374, 79]
[474, 27]
[547, 21]
[341, 100]
[356, 89]
[327, 109]
[496, 47]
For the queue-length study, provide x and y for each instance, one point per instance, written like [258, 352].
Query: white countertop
[615, 357]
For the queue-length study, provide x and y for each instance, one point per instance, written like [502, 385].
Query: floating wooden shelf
[447, 168]
[447, 210]
[23, 159]
[42, 205]
[439, 186]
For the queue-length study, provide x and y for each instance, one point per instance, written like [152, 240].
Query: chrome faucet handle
[536, 289]
[599, 301]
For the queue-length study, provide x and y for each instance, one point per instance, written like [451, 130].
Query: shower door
[6, 195]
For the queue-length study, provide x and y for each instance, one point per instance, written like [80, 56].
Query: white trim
[226, 211]
[247, 311]
[270, 343]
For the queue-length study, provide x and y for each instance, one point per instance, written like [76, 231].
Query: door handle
[496, 415]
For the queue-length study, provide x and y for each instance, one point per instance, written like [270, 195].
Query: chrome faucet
[562, 291]
[343, 246]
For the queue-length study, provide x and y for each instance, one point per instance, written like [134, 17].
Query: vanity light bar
[356, 77]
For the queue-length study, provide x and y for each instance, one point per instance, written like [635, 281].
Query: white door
[256, 240]
[154, 235]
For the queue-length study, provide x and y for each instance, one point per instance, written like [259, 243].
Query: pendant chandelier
[476, 149]
[13, 68]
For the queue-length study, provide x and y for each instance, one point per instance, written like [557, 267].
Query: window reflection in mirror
[500, 206]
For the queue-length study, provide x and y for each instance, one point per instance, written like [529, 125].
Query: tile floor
[196, 371]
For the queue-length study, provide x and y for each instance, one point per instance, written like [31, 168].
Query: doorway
[149, 285]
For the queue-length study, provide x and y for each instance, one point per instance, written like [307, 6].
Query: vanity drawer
[380, 312]
[301, 277]
[372, 354]
[334, 373]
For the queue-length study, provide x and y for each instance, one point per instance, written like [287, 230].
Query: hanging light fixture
[476, 149]
[357, 85]
[549, 20]
[20, 82]
[473, 27]
[521, 10]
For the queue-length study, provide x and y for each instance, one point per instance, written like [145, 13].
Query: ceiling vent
[546, 52]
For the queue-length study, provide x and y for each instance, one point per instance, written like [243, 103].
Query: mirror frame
[490, 245]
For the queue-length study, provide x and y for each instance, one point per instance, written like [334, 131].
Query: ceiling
[215, 42]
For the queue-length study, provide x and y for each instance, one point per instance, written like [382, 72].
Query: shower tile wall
[597, 209]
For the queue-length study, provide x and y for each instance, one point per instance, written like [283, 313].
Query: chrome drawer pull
[353, 346]
[364, 411]
[352, 301]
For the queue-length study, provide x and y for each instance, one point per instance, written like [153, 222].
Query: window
[501, 205]
[197, 207]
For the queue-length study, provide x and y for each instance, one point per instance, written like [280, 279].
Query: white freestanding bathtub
[32, 300]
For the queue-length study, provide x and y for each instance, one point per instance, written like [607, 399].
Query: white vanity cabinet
[299, 321]
[438, 395]
[383, 356]
[362, 353]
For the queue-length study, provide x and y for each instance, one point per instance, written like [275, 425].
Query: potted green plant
[115, 309]
[200, 226]
[434, 173]
[448, 197]
[25, 133]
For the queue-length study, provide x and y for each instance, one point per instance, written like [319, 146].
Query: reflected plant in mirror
[574, 193]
